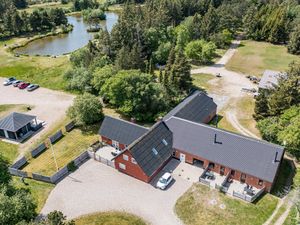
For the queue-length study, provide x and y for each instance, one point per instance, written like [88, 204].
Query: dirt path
[228, 86]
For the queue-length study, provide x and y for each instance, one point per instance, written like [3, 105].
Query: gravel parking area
[49, 106]
[96, 187]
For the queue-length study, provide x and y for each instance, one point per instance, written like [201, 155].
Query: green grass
[66, 149]
[39, 190]
[292, 217]
[109, 218]
[201, 80]
[9, 151]
[279, 213]
[255, 57]
[49, 5]
[285, 171]
[200, 205]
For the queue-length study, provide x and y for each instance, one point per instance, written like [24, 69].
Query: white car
[164, 181]
[9, 81]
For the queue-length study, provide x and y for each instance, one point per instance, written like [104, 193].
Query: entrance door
[182, 157]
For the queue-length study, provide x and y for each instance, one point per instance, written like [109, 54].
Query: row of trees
[274, 22]
[278, 111]
[14, 23]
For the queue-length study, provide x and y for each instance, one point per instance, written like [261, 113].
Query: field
[200, 205]
[39, 190]
[47, 72]
[254, 57]
[106, 218]
[65, 150]
[201, 81]
[9, 151]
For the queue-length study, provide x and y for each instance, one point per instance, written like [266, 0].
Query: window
[211, 165]
[165, 142]
[260, 182]
[125, 157]
[122, 166]
[133, 161]
[222, 170]
[154, 151]
[232, 172]
[243, 177]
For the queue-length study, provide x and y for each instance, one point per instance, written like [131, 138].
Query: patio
[105, 152]
[212, 179]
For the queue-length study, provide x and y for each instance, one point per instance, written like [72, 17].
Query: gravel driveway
[96, 187]
[49, 106]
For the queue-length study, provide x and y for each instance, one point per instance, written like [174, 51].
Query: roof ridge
[229, 132]
[131, 123]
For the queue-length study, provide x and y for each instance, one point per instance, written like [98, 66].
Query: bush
[201, 51]
[71, 166]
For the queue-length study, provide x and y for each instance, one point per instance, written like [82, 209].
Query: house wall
[109, 142]
[251, 180]
[132, 169]
[210, 117]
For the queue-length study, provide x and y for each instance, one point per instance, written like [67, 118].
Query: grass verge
[255, 57]
[200, 205]
[66, 149]
[201, 81]
[106, 218]
[292, 217]
[9, 151]
[39, 190]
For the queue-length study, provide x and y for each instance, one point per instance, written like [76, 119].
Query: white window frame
[133, 161]
[122, 166]
[125, 157]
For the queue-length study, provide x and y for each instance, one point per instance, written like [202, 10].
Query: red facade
[110, 142]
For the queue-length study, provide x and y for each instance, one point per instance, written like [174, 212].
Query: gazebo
[17, 126]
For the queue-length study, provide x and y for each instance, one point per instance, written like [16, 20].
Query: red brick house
[148, 154]
[183, 135]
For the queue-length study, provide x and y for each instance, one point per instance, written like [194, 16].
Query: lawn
[110, 218]
[201, 81]
[66, 149]
[39, 190]
[255, 57]
[9, 108]
[292, 217]
[201, 205]
[9, 151]
[47, 72]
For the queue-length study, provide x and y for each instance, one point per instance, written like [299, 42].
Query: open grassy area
[279, 213]
[109, 218]
[9, 108]
[47, 72]
[292, 217]
[255, 57]
[9, 151]
[39, 190]
[201, 81]
[66, 149]
[201, 205]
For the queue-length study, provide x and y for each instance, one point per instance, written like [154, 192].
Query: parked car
[23, 85]
[164, 181]
[16, 83]
[9, 81]
[32, 87]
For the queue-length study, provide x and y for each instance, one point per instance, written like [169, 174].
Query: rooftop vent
[154, 151]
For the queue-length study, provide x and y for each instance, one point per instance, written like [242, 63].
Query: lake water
[66, 43]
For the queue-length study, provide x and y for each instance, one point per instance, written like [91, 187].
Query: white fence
[98, 158]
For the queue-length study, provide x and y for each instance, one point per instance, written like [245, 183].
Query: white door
[115, 144]
[182, 157]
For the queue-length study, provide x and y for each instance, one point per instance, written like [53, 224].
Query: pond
[66, 43]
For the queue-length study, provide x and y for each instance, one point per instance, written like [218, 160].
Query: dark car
[23, 85]
[32, 87]
[16, 83]
[9, 81]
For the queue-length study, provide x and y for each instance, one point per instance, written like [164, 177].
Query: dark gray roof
[14, 121]
[247, 155]
[120, 130]
[196, 107]
[142, 149]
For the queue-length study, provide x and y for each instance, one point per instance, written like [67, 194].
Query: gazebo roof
[14, 121]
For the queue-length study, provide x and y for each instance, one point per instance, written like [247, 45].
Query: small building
[270, 79]
[248, 160]
[145, 157]
[120, 133]
[197, 107]
[17, 126]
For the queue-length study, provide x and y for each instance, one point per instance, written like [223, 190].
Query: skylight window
[165, 142]
[154, 151]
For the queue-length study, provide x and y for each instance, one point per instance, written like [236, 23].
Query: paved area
[105, 152]
[96, 187]
[228, 87]
[48, 105]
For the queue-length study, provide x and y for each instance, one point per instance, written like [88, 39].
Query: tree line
[14, 23]
[277, 111]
